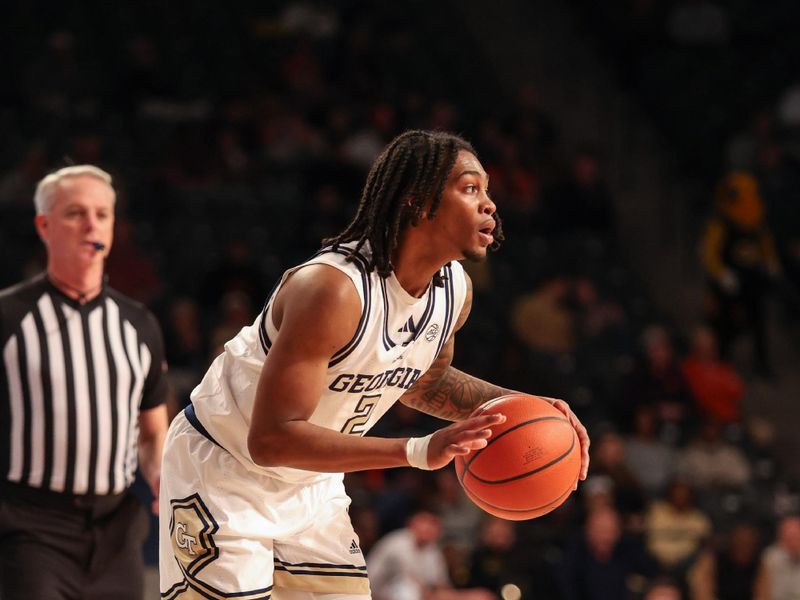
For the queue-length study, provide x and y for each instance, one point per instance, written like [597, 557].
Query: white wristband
[417, 452]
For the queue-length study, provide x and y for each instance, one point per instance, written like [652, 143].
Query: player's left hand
[583, 435]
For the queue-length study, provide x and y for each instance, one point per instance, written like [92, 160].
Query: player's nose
[488, 207]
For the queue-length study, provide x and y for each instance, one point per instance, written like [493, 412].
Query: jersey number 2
[355, 424]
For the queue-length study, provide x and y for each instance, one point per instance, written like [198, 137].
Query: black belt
[94, 506]
[191, 416]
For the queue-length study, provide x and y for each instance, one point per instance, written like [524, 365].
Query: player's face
[82, 213]
[464, 218]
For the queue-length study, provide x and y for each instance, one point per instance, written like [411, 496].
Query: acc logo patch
[432, 332]
[191, 529]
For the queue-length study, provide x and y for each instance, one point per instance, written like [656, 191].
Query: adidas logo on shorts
[354, 549]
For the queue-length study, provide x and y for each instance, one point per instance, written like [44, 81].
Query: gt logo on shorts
[192, 530]
[183, 540]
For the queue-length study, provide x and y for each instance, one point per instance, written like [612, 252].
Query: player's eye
[471, 188]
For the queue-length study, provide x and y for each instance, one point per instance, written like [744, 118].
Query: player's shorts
[229, 532]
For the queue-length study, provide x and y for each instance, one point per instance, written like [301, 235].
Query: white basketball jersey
[397, 339]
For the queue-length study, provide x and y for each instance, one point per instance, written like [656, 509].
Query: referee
[82, 392]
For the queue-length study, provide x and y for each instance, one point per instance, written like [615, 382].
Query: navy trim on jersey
[388, 344]
[208, 591]
[263, 337]
[449, 301]
[288, 564]
[361, 263]
[426, 315]
[191, 416]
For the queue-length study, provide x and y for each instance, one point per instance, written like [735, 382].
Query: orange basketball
[530, 463]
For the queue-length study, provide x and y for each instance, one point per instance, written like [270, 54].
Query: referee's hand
[154, 489]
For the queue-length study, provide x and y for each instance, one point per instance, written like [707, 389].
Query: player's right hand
[461, 438]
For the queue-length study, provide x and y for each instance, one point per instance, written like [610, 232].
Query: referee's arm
[153, 421]
[152, 431]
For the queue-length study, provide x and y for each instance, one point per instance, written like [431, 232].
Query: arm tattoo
[448, 393]
[454, 395]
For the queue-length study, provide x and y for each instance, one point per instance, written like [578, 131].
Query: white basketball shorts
[228, 532]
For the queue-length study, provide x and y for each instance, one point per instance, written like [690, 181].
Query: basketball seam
[523, 475]
[492, 440]
[519, 510]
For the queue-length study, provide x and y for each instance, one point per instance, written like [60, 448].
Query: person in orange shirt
[715, 384]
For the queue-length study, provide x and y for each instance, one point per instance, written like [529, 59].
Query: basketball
[530, 464]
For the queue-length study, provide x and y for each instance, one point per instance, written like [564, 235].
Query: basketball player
[252, 499]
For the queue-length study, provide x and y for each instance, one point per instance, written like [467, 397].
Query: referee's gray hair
[43, 198]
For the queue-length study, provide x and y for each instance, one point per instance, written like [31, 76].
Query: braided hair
[410, 171]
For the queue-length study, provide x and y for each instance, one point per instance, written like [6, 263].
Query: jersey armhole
[364, 293]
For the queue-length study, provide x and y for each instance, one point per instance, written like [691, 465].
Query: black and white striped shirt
[73, 379]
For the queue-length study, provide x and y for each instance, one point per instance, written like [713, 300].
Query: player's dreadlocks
[411, 170]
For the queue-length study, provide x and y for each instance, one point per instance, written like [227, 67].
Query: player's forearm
[452, 396]
[303, 445]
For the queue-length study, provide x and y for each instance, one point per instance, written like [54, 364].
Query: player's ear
[417, 213]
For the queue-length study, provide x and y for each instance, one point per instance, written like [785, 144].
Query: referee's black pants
[58, 547]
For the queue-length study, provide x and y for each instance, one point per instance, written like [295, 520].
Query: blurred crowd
[239, 137]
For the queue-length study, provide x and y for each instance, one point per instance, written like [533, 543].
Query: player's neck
[415, 265]
[81, 284]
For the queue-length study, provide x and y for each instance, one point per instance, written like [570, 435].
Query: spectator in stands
[600, 562]
[597, 492]
[744, 147]
[729, 572]
[657, 381]
[765, 456]
[16, 184]
[57, 82]
[498, 560]
[710, 462]
[715, 384]
[323, 216]
[583, 204]
[740, 260]
[408, 564]
[608, 458]
[185, 347]
[598, 316]
[675, 529]
[543, 320]
[237, 272]
[460, 517]
[779, 576]
[236, 311]
[663, 588]
[131, 270]
[649, 458]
